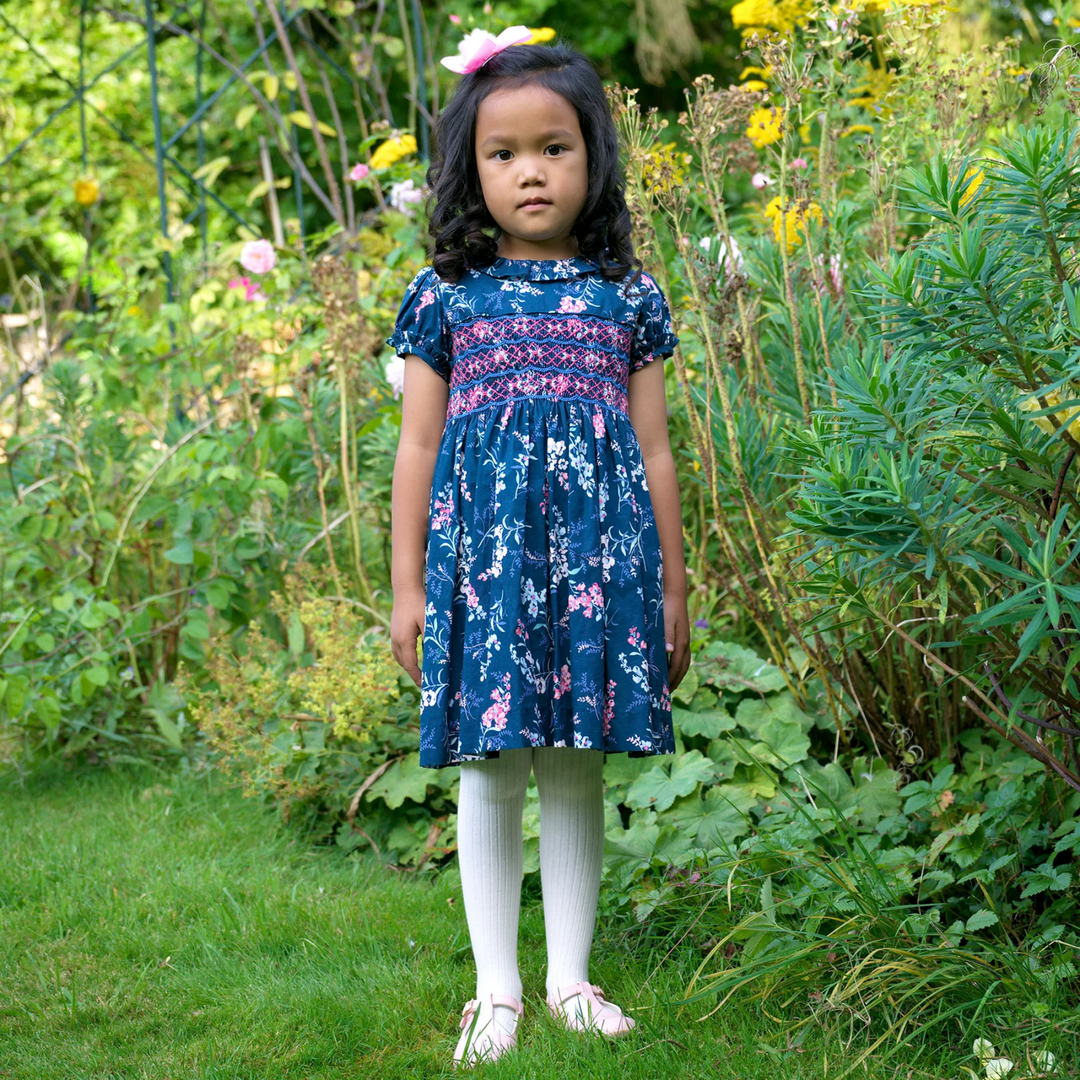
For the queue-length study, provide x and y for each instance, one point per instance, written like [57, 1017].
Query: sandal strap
[585, 989]
[473, 1004]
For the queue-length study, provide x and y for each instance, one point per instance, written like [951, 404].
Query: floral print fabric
[544, 622]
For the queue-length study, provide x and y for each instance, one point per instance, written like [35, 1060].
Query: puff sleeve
[421, 324]
[653, 336]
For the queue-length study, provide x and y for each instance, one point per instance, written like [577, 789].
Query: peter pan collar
[539, 269]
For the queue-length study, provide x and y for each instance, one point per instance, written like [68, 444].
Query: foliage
[884, 920]
[931, 492]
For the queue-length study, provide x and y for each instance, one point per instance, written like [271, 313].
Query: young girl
[537, 533]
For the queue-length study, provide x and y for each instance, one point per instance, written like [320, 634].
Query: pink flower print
[609, 706]
[568, 305]
[497, 715]
[426, 297]
[598, 424]
[470, 593]
[635, 637]
[589, 601]
[563, 685]
[442, 514]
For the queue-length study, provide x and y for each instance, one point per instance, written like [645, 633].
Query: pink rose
[359, 172]
[258, 256]
[455, 19]
[759, 180]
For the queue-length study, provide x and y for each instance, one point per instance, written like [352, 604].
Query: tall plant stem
[786, 225]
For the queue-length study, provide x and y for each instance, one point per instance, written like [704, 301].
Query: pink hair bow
[479, 46]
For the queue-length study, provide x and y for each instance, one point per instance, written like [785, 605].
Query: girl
[537, 533]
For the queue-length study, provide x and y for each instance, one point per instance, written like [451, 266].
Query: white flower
[404, 193]
[1046, 1061]
[760, 180]
[395, 375]
[984, 1050]
[998, 1068]
[732, 263]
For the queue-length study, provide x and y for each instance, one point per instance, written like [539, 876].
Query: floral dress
[544, 620]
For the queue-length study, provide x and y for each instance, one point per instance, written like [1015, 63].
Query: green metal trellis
[168, 167]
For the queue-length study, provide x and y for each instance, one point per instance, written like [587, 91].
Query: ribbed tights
[490, 804]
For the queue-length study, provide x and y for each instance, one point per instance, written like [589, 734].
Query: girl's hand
[406, 625]
[677, 636]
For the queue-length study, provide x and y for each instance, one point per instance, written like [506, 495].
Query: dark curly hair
[457, 213]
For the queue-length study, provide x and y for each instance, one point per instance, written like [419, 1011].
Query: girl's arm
[423, 418]
[648, 414]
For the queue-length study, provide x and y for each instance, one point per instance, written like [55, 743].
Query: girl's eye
[557, 146]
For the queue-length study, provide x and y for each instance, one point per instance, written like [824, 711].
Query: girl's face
[529, 148]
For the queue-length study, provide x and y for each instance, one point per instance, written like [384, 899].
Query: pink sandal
[498, 1040]
[598, 1015]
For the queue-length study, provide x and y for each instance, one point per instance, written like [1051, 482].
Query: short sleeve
[653, 336]
[421, 325]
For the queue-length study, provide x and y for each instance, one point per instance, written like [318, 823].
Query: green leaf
[45, 642]
[405, 779]
[980, 920]
[732, 667]
[716, 819]
[209, 172]
[182, 552]
[754, 713]
[93, 615]
[99, 676]
[636, 848]
[47, 708]
[244, 116]
[247, 549]
[707, 722]
[659, 789]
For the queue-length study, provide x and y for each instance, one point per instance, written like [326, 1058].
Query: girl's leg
[571, 785]
[490, 803]
[570, 782]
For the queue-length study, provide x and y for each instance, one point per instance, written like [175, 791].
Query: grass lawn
[164, 927]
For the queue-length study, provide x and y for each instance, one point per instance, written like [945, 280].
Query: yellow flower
[134, 311]
[872, 87]
[804, 133]
[976, 176]
[765, 73]
[539, 36]
[766, 126]
[851, 129]
[791, 223]
[656, 176]
[393, 150]
[753, 84]
[1064, 418]
[780, 15]
[86, 191]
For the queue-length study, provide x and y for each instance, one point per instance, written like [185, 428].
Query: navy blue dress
[544, 620]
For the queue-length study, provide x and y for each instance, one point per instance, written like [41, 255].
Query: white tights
[490, 805]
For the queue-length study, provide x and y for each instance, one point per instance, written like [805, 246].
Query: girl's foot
[582, 1007]
[488, 1028]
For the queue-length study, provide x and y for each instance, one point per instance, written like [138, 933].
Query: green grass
[177, 931]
